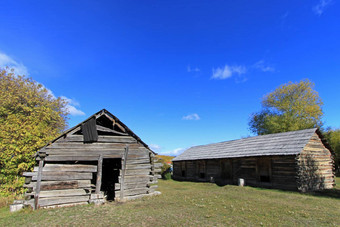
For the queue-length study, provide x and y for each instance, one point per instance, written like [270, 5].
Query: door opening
[264, 170]
[111, 167]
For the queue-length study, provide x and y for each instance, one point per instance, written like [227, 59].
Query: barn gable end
[315, 165]
[99, 159]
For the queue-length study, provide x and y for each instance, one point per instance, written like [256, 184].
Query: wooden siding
[315, 166]
[297, 160]
[71, 171]
[281, 172]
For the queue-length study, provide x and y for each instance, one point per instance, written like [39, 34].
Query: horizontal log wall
[315, 166]
[60, 184]
[64, 182]
[244, 168]
[283, 171]
[139, 174]
[177, 171]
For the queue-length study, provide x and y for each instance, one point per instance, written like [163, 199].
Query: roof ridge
[292, 143]
[251, 137]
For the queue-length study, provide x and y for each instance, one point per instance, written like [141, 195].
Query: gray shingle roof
[286, 143]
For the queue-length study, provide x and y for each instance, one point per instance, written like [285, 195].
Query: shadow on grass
[330, 193]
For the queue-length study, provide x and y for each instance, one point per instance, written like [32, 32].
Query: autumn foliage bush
[30, 116]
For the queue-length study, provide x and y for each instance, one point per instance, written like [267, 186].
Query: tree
[292, 106]
[30, 116]
[333, 138]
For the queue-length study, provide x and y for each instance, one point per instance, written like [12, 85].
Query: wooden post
[99, 174]
[123, 173]
[37, 189]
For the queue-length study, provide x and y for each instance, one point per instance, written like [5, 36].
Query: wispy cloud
[155, 147]
[158, 149]
[6, 60]
[71, 107]
[174, 152]
[20, 69]
[321, 6]
[261, 65]
[195, 69]
[285, 15]
[191, 117]
[228, 72]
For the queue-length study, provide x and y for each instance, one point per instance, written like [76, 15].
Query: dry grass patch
[188, 203]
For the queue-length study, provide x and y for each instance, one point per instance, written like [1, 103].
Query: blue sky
[178, 73]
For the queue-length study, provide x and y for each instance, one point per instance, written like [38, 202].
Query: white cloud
[189, 69]
[228, 71]
[263, 67]
[321, 6]
[72, 110]
[155, 147]
[20, 69]
[6, 60]
[191, 117]
[71, 107]
[173, 152]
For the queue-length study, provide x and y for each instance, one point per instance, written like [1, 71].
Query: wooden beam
[104, 129]
[58, 185]
[120, 127]
[68, 168]
[62, 200]
[123, 173]
[104, 139]
[79, 153]
[64, 193]
[63, 176]
[74, 130]
[78, 158]
[115, 123]
[37, 190]
[99, 174]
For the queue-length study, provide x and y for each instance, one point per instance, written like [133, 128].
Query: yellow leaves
[29, 118]
[291, 106]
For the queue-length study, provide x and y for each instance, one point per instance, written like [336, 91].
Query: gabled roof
[112, 118]
[286, 143]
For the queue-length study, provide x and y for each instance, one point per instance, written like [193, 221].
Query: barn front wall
[74, 169]
[265, 171]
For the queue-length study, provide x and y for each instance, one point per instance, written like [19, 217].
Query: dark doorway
[264, 170]
[110, 176]
[201, 169]
[226, 170]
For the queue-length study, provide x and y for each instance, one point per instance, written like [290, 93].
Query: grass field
[193, 204]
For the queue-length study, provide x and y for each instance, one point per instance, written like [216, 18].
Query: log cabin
[297, 160]
[98, 160]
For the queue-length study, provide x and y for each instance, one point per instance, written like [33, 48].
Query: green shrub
[167, 176]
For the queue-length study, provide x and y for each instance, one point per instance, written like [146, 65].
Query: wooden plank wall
[60, 184]
[315, 166]
[283, 171]
[140, 175]
[177, 170]
[245, 168]
[212, 170]
[64, 182]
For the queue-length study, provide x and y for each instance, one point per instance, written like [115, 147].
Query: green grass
[192, 204]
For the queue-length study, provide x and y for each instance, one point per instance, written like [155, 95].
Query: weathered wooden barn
[99, 159]
[298, 160]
